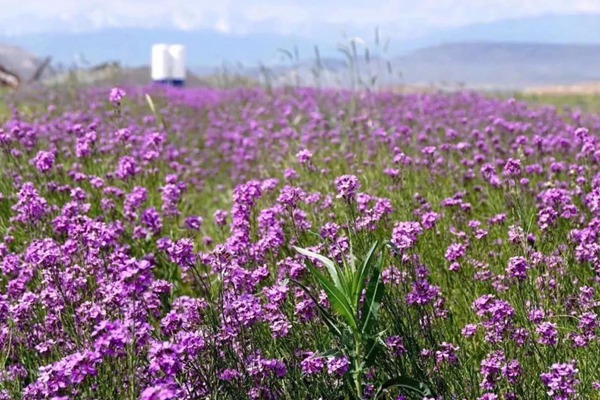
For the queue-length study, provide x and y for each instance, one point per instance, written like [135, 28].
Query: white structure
[161, 63]
[168, 64]
[177, 53]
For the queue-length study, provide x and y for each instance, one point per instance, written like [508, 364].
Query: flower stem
[358, 367]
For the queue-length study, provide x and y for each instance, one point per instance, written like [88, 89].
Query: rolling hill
[503, 65]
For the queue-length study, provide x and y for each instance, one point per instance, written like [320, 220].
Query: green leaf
[360, 278]
[374, 347]
[349, 270]
[329, 264]
[329, 321]
[407, 385]
[375, 292]
[335, 289]
[338, 300]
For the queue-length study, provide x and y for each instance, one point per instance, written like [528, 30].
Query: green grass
[583, 102]
[4, 110]
[396, 318]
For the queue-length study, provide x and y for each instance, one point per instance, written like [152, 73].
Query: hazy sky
[406, 17]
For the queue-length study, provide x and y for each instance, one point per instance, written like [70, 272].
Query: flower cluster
[161, 250]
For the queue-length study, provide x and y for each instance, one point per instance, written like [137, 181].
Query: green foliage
[4, 110]
[356, 280]
[587, 102]
[345, 287]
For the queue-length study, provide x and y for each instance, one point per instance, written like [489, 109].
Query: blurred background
[530, 46]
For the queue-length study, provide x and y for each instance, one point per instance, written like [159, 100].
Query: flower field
[299, 244]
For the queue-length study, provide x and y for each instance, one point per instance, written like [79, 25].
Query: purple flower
[182, 253]
[513, 371]
[546, 218]
[229, 375]
[276, 366]
[290, 174]
[392, 172]
[561, 381]
[516, 235]
[491, 369]
[512, 167]
[44, 161]
[171, 196]
[405, 234]
[588, 322]
[30, 207]
[396, 345]
[338, 365]
[127, 168]
[134, 201]
[469, 330]
[221, 217]
[312, 365]
[165, 357]
[152, 220]
[537, 315]
[159, 392]
[517, 268]
[193, 222]
[497, 317]
[393, 276]
[455, 251]
[446, 354]
[498, 219]
[429, 150]
[548, 333]
[111, 338]
[245, 310]
[290, 196]
[116, 96]
[347, 186]
[304, 156]
[423, 293]
[330, 230]
[429, 220]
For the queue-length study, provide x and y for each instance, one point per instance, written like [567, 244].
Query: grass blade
[360, 278]
[375, 346]
[151, 104]
[374, 295]
[407, 385]
[329, 321]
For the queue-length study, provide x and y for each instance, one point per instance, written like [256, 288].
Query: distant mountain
[131, 46]
[550, 29]
[501, 65]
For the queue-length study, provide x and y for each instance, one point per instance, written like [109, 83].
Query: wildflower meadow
[162, 243]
